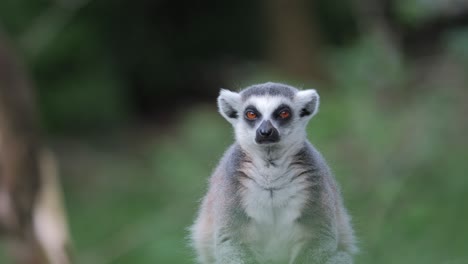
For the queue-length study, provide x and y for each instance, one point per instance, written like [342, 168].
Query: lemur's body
[272, 199]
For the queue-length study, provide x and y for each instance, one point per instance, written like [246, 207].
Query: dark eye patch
[253, 109]
[279, 109]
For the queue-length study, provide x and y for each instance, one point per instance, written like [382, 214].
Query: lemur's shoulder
[308, 155]
[224, 174]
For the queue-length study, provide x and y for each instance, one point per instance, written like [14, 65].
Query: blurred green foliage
[401, 165]
[403, 178]
[396, 143]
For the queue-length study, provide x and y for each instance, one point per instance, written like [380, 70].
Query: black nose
[267, 133]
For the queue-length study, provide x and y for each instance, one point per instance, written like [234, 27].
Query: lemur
[272, 198]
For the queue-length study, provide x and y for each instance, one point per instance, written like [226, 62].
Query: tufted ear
[308, 102]
[228, 105]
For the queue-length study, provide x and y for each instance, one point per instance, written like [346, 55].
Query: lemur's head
[269, 113]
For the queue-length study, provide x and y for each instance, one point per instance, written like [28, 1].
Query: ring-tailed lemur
[272, 198]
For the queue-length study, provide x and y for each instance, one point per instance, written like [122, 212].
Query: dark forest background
[124, 93]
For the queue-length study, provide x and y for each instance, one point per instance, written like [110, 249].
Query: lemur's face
[269, 113]
[265, 119]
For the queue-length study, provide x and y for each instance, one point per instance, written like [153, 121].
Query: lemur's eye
[284, 114]
[250, 115]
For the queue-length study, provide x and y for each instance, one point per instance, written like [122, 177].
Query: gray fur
[270, 88]
[305, 221]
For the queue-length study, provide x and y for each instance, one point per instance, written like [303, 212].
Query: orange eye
[284, 114]
[250, 115]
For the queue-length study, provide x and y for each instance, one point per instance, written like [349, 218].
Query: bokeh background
[126, 92]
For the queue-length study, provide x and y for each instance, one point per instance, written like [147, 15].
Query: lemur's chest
[274, 199]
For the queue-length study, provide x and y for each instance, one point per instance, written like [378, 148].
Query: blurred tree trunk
[31, 215]
[294, 42]
[373, 18]
[380, 18]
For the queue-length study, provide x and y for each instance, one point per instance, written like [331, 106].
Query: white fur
[304, 97]
[228, 99]
[273, 231]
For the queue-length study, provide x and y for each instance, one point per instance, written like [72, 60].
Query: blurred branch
[373, 19]
[49, 24]
[380, 18]
[30, 221]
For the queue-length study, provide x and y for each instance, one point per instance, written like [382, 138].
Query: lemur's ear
[228, 105]
[308, 101]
